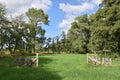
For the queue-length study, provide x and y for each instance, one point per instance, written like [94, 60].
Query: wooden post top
[36, 55]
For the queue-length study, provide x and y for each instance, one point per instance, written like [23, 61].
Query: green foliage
[2, 23]
[110, 3]
[36, 18]
[79, 34]
[37, 15]
[2, 12]
[99, 31]
[18, 36]
[98, 39]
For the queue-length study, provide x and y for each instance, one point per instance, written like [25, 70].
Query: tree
[36, 18]
[110, 3]
[14, 34]
[53, 45]
[79, 34]
[99, 39]
[115, 32]
[63, 41]
[3, 22]
[99, 31]
[2, 13]
[106, 25]
[65, 45]
[48, 43]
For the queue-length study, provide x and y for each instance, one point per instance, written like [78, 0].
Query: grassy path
[58, 67]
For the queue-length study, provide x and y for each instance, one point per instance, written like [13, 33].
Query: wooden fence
[27, 61]
[94, 59]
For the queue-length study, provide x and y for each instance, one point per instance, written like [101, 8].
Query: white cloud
[75, 10]
[17, 7]
[66, 23]
[42, 4]
[97, 2]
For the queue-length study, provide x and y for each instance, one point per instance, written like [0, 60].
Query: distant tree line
[96, 32]
[58, 44]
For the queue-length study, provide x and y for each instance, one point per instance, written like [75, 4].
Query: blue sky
[61, 12]
[57, 15]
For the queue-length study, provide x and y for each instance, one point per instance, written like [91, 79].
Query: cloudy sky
[61, 12]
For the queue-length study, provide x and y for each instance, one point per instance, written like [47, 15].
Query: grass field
[58, 67]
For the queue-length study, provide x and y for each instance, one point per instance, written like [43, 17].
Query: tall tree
[3, 22]
[79, 34]
[36, 18]
[105, 25]
[48, 43]
[13, 34]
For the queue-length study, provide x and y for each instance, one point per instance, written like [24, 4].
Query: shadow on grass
[44, 60]
[28, 73]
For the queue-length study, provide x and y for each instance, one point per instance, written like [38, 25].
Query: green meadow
[59, 67]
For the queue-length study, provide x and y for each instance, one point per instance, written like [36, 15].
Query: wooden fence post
[110, 61]
[87, 58]
[103, 61]
[36, 59]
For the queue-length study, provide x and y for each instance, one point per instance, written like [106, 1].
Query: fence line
[94, 59]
